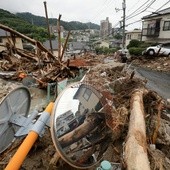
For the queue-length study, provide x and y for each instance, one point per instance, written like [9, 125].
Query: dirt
[155, 63]
[104, 76]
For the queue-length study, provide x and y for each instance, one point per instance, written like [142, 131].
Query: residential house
[156, 26]
[135, 34]
[114, 43]
[78, 47]
[54, 46]
[5, 37]
[65, 123]
[89, 99]
[83, 38]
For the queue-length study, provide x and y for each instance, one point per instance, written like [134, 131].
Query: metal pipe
[18, 158]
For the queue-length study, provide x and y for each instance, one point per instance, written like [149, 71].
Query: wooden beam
[136, 147]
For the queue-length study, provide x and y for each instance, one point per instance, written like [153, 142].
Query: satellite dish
[78, 127]
[17, 102]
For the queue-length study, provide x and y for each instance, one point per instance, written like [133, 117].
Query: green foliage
[105, 50]
[134, 43]
[35, 26]
[41, 21]
[137, 51]
[22, 26]
[118, 36]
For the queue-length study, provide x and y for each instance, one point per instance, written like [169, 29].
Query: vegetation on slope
[41, 21]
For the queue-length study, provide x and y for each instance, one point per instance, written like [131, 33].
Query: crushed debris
[156, 63]
[117, 85]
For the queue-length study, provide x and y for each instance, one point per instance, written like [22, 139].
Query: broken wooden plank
[32, 41]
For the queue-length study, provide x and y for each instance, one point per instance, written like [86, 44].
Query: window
[87, 94]
[166, 26]
[139, 36]
[129, 37]
[98, 106]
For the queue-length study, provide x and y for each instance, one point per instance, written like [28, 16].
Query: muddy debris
[157, 63]
[117, 86]
[126, 95]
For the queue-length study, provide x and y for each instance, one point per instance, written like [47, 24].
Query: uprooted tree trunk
[136, 147]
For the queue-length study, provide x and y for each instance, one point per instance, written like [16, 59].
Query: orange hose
[25, 147]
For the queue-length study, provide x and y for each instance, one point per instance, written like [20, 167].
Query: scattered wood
[41, 63]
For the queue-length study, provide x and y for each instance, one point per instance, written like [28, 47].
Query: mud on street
[117, 83]
[131, 118]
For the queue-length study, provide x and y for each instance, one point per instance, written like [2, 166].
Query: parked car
[161, 49]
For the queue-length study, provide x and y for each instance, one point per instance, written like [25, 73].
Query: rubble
[120, 88]
[117, 86]
[158, 63]
[41, 64]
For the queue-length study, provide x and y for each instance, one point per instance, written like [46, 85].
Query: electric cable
[129, 17]
[139, 8]
[162, 6]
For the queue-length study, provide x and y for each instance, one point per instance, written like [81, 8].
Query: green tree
[134, 43]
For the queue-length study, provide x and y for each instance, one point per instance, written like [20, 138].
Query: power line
[162, 6]
[133, 22]
[134, 15]
[141, 9]
[134, 5]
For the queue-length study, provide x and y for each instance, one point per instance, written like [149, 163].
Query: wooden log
[89, 124]
[59, 38]
[65, 44]
[136, 146]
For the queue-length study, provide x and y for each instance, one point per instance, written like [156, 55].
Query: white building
[105, 28]
[156, 27]
[135, 34]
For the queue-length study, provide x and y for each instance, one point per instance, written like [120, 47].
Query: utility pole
[124, 15]
[49, 34]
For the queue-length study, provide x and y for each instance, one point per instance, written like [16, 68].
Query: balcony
[151, 32]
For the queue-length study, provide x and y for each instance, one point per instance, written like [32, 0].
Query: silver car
[161, 49]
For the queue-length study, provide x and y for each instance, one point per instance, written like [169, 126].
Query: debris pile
[125, 89]
[137, 117]
[40, 64]
[157, 63]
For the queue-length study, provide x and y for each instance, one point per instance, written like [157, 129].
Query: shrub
[137, 51]
[105, 50]
[134, 43]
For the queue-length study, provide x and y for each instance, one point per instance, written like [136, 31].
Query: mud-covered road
[157, 81]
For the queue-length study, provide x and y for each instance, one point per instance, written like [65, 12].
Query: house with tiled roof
[156, 26]
[54, 44]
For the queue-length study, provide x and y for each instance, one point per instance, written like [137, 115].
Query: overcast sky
[86, 10]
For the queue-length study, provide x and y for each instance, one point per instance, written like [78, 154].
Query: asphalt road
[156, 81]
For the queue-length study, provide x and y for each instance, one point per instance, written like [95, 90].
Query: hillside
[41, 21]
[22, 26]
